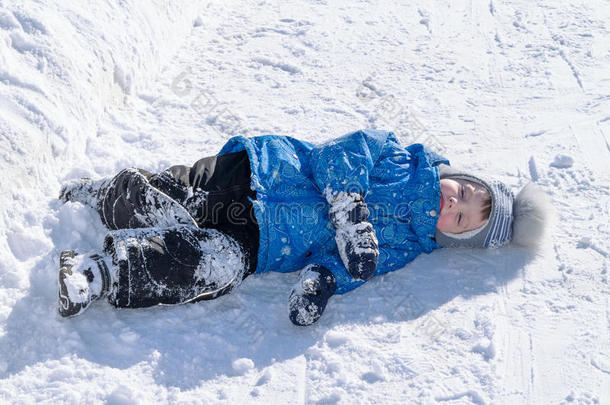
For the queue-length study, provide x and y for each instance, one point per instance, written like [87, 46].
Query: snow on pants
[158, 257]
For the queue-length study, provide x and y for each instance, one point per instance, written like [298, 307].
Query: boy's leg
[216, 192]
[127, 201]
[172, 266]
[136, 198]
[130, 201]
[83, 190]
[209, 187]
[142, 257]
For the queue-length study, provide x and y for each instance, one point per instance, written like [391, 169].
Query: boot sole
[66, 307]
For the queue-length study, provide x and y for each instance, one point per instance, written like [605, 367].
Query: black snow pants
[183, 235]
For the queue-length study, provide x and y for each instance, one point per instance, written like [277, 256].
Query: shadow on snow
[187, 345]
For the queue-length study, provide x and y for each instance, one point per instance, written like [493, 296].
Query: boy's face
[461, 206]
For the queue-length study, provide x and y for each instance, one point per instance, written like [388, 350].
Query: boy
[341, 212]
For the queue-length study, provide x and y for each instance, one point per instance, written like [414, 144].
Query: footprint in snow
[562, 161]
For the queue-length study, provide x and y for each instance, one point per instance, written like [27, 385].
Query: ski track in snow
[518, 89]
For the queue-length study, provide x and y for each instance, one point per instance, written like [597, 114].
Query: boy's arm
[340, 169]
[354, 235]
[344, 163]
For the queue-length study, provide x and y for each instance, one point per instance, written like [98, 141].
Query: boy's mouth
[442, 203]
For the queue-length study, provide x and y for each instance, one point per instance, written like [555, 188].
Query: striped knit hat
[497, 231]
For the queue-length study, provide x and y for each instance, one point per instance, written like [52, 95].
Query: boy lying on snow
[341, 212]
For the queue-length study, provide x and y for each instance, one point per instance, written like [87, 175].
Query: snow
[242, 366]
[518, 89]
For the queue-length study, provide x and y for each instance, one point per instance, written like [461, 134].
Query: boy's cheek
[442, 224]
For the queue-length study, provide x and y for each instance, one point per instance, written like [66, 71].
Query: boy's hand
[310, 295]
[358, 249]
[348, 208]
[355, 237]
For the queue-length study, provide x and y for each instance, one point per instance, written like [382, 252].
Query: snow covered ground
[517, 88]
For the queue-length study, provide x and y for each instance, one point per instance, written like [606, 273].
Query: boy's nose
[452, 201]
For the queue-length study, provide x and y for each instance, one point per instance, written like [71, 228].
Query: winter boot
[82, 278]
[84, 191]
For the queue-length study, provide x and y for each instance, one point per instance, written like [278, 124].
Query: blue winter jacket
[401, 188]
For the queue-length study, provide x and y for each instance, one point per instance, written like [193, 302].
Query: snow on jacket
[401, 188]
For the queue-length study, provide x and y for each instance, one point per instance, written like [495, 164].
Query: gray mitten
[310, 295]
[355, 237]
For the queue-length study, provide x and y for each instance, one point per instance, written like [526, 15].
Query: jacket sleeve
[344, 163]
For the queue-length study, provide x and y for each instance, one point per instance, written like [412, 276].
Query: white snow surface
[517, 88]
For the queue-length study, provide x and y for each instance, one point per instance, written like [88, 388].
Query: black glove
[309, 296]
[355, 236]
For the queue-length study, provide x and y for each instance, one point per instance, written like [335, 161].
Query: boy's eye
[459, 218]
[462, 191]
